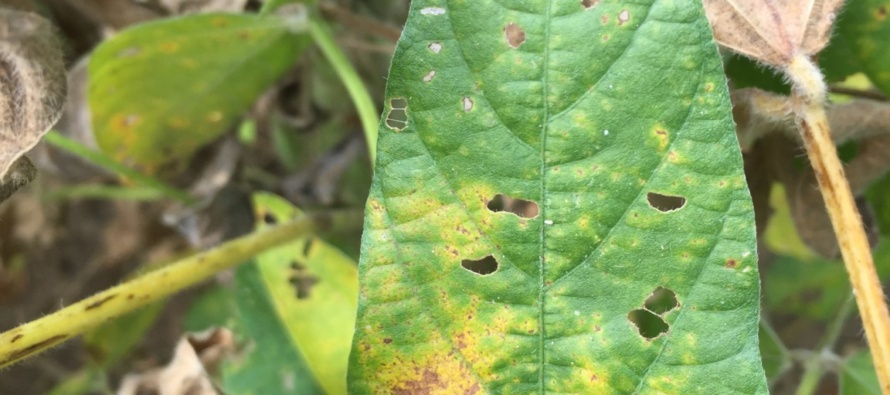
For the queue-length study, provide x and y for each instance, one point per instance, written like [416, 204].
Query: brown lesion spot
[100, 302]
[732, 263]
[514, 35]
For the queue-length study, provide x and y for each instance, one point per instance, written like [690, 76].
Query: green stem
[813, 366]
[367, 111]
[100, 159]
[38, 335]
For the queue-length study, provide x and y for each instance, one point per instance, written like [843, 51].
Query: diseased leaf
[32, 84]
[865, 26]
[161, 90]
[309, 303]
[613, 120]
[270, 364]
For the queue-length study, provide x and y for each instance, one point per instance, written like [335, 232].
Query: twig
[872, 95]
[814, 364]
[356, 21]
[807, 103]
[43, 333]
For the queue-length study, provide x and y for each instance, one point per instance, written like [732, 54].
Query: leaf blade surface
[613, 120]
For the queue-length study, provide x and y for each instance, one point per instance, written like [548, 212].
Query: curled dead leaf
[20, 174]
[767, 133]
[32, 83]
[772, 31]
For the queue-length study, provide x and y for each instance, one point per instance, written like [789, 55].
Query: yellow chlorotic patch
[125, 122]
[661, 136]
[169, 47]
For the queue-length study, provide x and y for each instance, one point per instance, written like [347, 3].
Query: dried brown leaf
[32, 83]
[20, 174]
[186, 374]
[766, 130]
[772, 31]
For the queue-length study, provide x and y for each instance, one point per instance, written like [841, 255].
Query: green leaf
[88, 381]
[161, 90]
[303, 309]
[746, 73]
[776, 359]
[606, 126]
[858, 376]
[865, 27]
[109, 343]
[838, 59]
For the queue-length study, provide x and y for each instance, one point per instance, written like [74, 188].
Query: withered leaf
[772, 31]
[32, 83]
[766, 130]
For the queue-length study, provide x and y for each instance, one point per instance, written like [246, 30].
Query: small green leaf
[161, 90]
[858, 376]
[545, 170]
[865, 27]
[776, 359]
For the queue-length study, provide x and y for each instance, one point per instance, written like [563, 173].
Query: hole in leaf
[588, 4]
[269, 219]
[665, 203]
[661, 301]
[648, 324]
[303, 283]
[514, 34]
[397, 117]
[436, 47]
[432, 11]
[484, 266]
[623, 17]
[468, 104]
[520, 207]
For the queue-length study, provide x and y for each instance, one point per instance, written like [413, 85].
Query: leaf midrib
[542, 216]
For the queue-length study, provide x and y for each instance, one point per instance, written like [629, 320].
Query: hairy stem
[38, 335]
[814, 129]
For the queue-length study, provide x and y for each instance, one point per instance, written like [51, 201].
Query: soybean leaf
[546, 172]
[161, 90]
[864, 25]
[302, 314]
[858, 376]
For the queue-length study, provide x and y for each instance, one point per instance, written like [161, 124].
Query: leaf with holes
[865, 26]
[558, 207]
[161, 90]
[312, 288]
